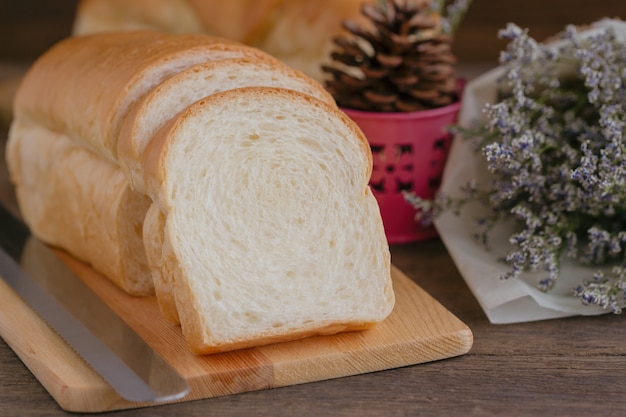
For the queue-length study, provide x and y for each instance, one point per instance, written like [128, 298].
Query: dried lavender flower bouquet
[554, 143]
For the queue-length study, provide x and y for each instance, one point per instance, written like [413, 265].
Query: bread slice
[179, 91]
[270, 219]
[75, 200]
[85, 86]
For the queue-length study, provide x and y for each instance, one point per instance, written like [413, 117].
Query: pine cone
[404, 63]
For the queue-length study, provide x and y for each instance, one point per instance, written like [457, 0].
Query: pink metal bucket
[410, 151]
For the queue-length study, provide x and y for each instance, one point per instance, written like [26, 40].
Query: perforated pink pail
[410, 151]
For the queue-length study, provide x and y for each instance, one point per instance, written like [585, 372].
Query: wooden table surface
[566, 367]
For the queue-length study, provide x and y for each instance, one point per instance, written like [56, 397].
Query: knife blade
[94, 331]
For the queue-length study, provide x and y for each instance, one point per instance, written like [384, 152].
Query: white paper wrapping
[513, 300]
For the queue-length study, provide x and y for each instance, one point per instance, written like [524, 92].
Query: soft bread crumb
[281, 236]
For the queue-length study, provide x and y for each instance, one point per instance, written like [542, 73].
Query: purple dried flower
[555, 145]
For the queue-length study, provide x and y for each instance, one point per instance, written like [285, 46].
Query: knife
[105, 342]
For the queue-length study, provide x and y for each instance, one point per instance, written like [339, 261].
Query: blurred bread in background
[298, 32]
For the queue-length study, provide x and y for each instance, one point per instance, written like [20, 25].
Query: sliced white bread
[270, 219]
[77, 201]
[179, 91]
[259, 224]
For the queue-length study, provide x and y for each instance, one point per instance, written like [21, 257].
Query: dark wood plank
[477, 36]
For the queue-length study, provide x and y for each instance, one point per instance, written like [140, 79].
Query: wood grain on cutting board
[418, 330]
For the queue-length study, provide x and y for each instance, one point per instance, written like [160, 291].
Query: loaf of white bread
[208, 173]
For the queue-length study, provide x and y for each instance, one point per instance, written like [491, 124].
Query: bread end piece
[74, 200]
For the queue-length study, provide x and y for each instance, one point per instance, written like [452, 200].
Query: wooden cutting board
[418, 330]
